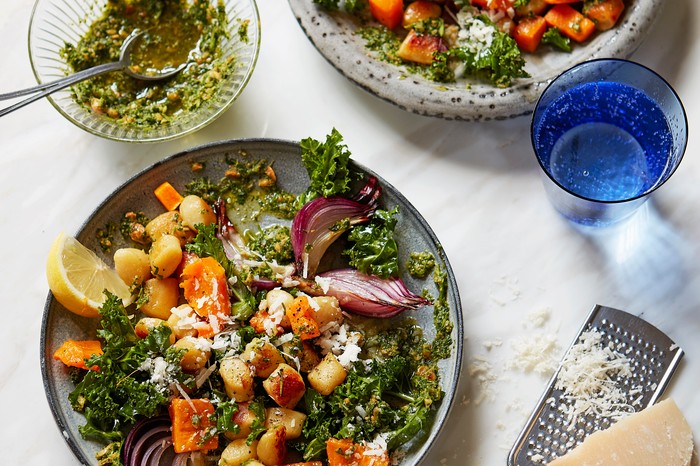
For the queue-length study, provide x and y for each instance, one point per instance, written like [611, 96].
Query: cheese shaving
[591, 378]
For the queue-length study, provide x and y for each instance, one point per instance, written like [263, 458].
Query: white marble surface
[477, 185]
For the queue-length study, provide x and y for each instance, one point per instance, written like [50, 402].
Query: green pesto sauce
[442, 344]
[178, 31]
[420, 264]
[273, 243]
[249, 189]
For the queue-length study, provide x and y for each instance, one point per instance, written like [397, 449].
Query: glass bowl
[55, 23]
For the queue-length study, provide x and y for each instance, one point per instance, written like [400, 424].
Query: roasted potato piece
[132, 265]
[197, 352]
[145, 324]
[303, 353]
[168, 223]
[181, 321]
[293, 421]
[420, 10]
[327, 311]
[161, 296]
[263, 356]
[194, 211]
[419, 48]
[272, 446]
[285, 386]
[327, 375]
[238, 452]
[165, 256]
[238, 379]
[244, 419]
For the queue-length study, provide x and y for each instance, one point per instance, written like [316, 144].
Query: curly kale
[389, 397]
[375, 250]
[327, 166]
[555, 38]
[119, 393]
[500, 63]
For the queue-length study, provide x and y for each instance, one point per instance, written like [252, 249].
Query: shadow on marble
[642, 256]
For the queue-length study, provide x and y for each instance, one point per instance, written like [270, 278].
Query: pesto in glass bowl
[218, 39]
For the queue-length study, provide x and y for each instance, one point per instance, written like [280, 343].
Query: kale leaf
[500, 63]
[388, 398]
[352, 6]
[119, 393]
[329, 4]
[374, 250]
[327, 166]
[555, 38]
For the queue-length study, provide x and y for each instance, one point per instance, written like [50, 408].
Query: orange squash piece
[604, 13]
[206, 291]
[343, 452]
[387, 12]
[192, 425]
[528, 33]
[570, 22]
[301, 316]
[533, 7]
[168, 196]
[73, 353]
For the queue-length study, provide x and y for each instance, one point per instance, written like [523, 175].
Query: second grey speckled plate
[332, 33]
[413, 234]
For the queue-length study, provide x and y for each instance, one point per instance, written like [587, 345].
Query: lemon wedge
[78, 277]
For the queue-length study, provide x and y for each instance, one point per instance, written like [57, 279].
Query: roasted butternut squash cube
[604, 13]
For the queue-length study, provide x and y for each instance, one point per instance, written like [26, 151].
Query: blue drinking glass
[607, 133]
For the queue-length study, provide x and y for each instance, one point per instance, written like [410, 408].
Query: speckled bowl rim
[332, 35]
[286, 153]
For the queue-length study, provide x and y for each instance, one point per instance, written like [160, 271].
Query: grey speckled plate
[332, 33]
[414, 234]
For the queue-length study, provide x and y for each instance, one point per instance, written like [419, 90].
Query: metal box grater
[653, 359]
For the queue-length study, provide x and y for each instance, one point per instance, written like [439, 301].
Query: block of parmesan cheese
[656, 436]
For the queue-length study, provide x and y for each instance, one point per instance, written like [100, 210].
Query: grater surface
[653, 358]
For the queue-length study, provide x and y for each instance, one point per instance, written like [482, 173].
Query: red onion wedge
[150, 443]
[145, 434]
[366, 295]
[322, 220]
[234, 246]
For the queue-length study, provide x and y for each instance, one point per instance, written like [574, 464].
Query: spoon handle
[42, 90]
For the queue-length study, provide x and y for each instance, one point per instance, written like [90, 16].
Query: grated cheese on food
[474, 34]
[343, 343]
[324, 283]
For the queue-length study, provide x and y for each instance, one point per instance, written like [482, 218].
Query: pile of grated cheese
[591, 378]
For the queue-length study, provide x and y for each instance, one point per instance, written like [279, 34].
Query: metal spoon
[124, 63]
